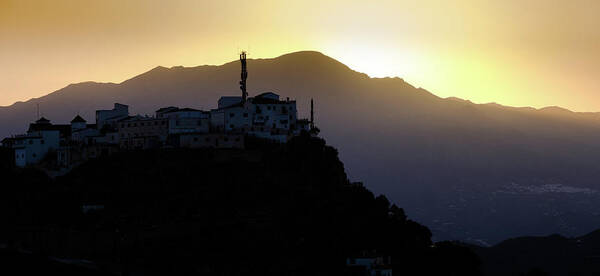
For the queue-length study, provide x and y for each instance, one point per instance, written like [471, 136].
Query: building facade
[32, 147]
[185, 120]
[140, 132]
[110, 117]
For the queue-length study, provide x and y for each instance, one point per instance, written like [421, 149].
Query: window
[162, 123]
[122, 125]
[231, 115]
[237, 139]
[245, 115]
[31, 142]
[207, 139]
[290, 117]
[226, 139]
[34, 155]
[42, 141]
[231, 126]
[195, 139]
[274, 125]
[128, 125]
[269, 107]
[199, 122]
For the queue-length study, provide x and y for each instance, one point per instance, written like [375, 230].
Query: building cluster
[264, 116]
[368, 263]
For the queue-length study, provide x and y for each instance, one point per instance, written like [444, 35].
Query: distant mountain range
[475, 172]
[550, 255]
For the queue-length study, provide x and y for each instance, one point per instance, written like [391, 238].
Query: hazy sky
[514, 52]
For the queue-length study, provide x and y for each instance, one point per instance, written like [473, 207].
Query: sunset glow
[524, 53]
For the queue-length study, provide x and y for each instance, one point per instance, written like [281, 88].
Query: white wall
[217, 119]
[20, 157]
[188, 125]
[38, 148]
[78, 125]
[238, 117]
[103, 116]
[274, 114]
[81, 135]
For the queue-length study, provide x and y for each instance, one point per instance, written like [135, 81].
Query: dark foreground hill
[268, 210]
[13, 262]
[454, 165]
[550, 255]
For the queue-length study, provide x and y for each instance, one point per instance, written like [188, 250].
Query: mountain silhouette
[553, 255]
[455, 165]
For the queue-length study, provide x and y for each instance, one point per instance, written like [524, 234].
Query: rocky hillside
[267, 210]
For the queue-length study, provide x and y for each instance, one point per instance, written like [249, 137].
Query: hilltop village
[265, 116]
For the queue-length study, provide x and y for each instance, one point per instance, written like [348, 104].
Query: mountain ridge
[552, 254]
[159, 69]
[423, 151]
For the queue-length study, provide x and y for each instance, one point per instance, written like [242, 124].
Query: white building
[139, 132]
[264, 116]
[81, 132]
[32, 147]
[78, 123]
[372, 265]
[185, 120]
[82, 135]
[110, 117]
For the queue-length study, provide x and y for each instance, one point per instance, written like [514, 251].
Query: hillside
[455, 165]
[552, 255]
[268, 210]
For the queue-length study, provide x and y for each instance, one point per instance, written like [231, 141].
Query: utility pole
[312, 115]
[244, 76]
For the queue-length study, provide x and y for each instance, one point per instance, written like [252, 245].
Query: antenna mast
[38, 111]
[244, 76]
[312, 114]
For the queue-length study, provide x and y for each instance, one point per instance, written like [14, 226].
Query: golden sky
[514, 52]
